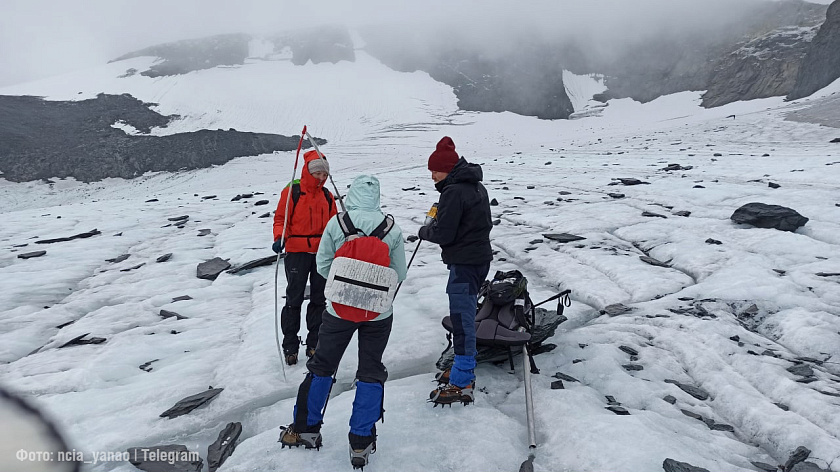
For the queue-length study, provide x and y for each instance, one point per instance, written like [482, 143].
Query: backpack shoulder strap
[382, 230]
[295, 192]
[329, 197]
[346, 224]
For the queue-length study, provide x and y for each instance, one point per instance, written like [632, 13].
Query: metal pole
[529, 401]
[321, 155]
[409, 265]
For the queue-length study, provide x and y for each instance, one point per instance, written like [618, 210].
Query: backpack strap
[329, 197]
[346, 224]
[382, 230]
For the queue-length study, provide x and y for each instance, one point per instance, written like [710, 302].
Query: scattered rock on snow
[78, 341]
[618, 410]
[683, 213]
[204, 232]
[670, 399]
[765, 467]
[181, 218]
[615, 309]
[773, 185]
[651, 214]
[567, 378]
[802, 370]
[90, 233]
[164, 257]
[629, 350]
[713, 241]
[190, 403]
[695, 392]
[261, 202]
[159, 458]
[616, 195]
[169, 314]
[762, 215]
[30, 255]
[182, 298]
[563, 237]
[224, 445]
[494, 202]
[630, 182]
[670, 465]
[800, 454]
[557, 385]
[835, 140]
[118, 258]
[632, 367]
[147, 367]
[133, 267]
[264, 261]
[211, 269]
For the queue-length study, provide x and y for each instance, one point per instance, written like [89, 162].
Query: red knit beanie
[444, 158]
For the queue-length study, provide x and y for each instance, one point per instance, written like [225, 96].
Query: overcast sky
[39, 38]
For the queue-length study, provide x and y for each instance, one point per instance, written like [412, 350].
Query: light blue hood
[363, 194]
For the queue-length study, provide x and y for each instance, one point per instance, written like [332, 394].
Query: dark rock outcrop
[264, 261]
[190, 403]
[30, 255]
[670, 465]
[43, 139]
[190, 55]
[821, 65]
[211, 269]
[88, 234]
[762, 215]
[224, 445]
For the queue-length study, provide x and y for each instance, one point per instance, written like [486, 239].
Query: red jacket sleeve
[280, 214]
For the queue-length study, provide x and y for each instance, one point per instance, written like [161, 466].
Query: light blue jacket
[362, 203]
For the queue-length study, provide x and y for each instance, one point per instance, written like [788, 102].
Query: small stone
[615, 309]
[802, 370]
[179, 218]
[618, 410]
[654, 262]
[773, 185]
[30, 255]
[653, 215]
[182, 298]
[632, 367]
[616, 195]
[567, 378]
[563, 237]
[494, 202]
[765, 467]
[670, 399]
[164, 257]
[670, 465]
[629, 350]
[261, 202]
[683, 213]
[557, 385]
[170, 314]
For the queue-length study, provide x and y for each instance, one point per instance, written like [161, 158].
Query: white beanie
[319, 165]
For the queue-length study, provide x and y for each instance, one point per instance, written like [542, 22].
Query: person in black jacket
[462, 229]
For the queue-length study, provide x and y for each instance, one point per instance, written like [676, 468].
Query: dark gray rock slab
[807, 467]
[618, 410]
[713, 241]
[800, 454]
[170, 314]
[567, 378]
[563, 237]
[764, 467]
[695, 392]
[224, 445]
[119, 258]
[211, 269]
[179, 219]
[670, 465]
[494, 202]
[616, 195]
[164, 257]
[165, 458]
[802, 370]
[79, 341]
[264, 261]
[632, 367]
[625, 181]
[30, 255]
[650, 214]
[133, 267]
[261, 202]
[616, 309]
[88, 234]
[683, 213]
[203, 232]
[818, 274]
[629, 350]
[147, 366]
[182, 298]
[670, 399]
[557, 385]
[190, 403]
[762, 215]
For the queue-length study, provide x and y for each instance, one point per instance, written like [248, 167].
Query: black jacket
[463, 223]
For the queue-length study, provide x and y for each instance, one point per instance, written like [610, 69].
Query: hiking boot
[291, 358]
[290, 437]
[310, 351]
[443, 377]
[361, 447]
[449, 394]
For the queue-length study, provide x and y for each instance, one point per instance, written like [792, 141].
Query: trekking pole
[277, 261]
[528, 464]
[409, 265]
[566, 301]
[322, 156]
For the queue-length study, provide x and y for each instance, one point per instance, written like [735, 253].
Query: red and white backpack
[361, 285]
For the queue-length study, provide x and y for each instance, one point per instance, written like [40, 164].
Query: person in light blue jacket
[335, 333]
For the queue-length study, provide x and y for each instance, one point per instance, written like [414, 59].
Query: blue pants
[463, 286]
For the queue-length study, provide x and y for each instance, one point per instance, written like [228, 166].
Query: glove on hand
[277, 246]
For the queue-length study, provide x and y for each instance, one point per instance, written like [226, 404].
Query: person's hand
[277, 246]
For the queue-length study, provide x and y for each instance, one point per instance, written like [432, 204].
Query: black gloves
[277, 246]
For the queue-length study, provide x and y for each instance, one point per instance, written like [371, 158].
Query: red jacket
[309, 216]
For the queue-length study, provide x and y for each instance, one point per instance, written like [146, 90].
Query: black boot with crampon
[361, 447]
[442, 377]
[308, 439]
[449, 394]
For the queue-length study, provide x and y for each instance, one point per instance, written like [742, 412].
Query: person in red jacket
[311, 206]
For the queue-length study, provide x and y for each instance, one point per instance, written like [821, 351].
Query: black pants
[300, 266]
[335, 335]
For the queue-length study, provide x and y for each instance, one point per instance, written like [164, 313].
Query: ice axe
[430, 218]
